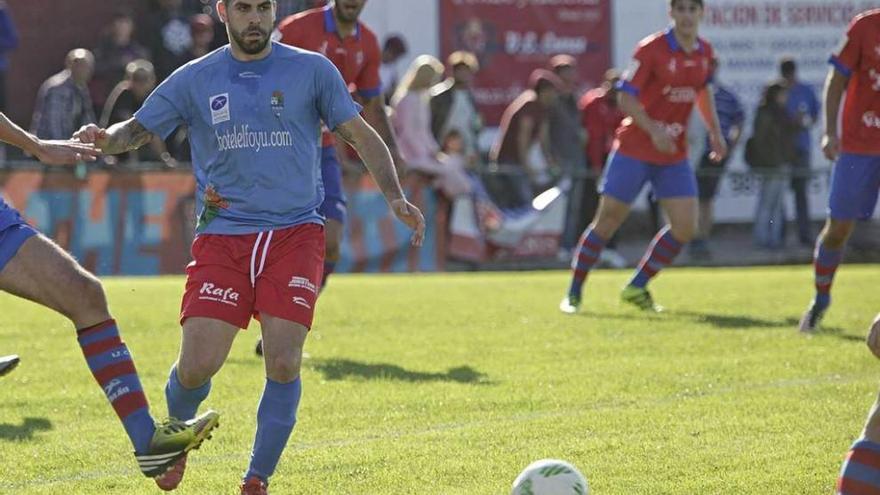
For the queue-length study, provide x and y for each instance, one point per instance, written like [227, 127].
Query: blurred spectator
[202, 31]
[567, 141]
[803, 108]
[393, 50]
[731, 116]
[412, 123]
[63, 102]
[166, 33]
[8, 41]
[114, 52]
[524, 125]
[772, 147]
[125, 99]
[453, 107]
[601, 117]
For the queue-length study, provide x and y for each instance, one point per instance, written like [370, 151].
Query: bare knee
[683, 233]
[86, 304]
[283, 368]
[836, 233]
[195, 371]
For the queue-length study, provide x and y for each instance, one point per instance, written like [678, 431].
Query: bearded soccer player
[254, 110]
[670, 73]
[855, 179]
[35, 268]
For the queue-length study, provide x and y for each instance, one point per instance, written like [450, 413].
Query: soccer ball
[550, 477]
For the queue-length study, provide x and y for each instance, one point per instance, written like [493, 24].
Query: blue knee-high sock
[861, 469]
[276, 417]
[662, 251]
[585, 256]
[113, 368]
[825, 263]
[184, 402]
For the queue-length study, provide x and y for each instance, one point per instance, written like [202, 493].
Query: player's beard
[251, 47]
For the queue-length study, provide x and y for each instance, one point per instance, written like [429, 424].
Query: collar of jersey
[673, 43]
[330, 23]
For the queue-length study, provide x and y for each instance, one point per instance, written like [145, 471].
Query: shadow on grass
[343, 369]
[24, 431]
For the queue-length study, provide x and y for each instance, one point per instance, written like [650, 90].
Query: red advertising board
[511, 38]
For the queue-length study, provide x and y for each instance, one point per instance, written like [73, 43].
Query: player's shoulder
[653, 41]
[304, 18]
[368, 37]
[202, 63]
[299, 59]
[867, 19]
[706, 46]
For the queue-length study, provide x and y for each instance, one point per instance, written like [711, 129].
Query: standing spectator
[803, 108]
[412, 123]
[393, 50]
[453, 107]
[114, 52]
[601, 117]
[166, 33]
[63, 102]
[125, 99]
[731, 117]
[202, 31]
[523, 125]
[772, 151]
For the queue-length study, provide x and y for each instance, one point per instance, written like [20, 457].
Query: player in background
[860, 474]
[35, 268]
[671, 72]
[855, 178]
[254, 110]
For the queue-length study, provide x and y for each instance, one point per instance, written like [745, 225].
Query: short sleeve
[167, 107]
[369, 82]
[846, 58]
[334, 102]
[638, 72]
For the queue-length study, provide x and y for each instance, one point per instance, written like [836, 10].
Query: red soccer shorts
[234, 277]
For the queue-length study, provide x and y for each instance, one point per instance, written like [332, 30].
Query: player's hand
[719, 147]
[830, 147]
[409, 214]
[662, 140]
[874, 337]
[65, 152]
[91, 133]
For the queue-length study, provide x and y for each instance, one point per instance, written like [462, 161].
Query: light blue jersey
[255, 133]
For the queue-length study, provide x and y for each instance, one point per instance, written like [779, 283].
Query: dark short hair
[787, 66]
[673, 2]
[543, 79]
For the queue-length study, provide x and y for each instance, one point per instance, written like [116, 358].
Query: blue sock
[662, 251]
[825, 263]
[861, 469]
[585, 256]
[275, 419]
[113, 368]
[184, 402]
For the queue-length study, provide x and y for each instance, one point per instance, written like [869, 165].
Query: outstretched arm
[377, 159]
[49, 152]
[835, 87]
[119, 138]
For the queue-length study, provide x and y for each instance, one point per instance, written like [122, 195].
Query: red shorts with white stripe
[234, 277]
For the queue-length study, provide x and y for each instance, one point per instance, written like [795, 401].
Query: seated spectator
[125, 99]
[166, 33]
[412, 123]
[114, 52]
[524, 125]
[63, 102]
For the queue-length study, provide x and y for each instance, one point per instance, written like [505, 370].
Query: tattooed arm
[119, 138]
[377, 159]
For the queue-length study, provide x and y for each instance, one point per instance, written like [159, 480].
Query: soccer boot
[170, 480]
[640, 298]
[812, 316]
[173, 439]
[259, 347]
[8, 363]
[254, 486]
[570, 304]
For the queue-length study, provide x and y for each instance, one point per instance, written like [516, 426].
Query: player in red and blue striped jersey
[855, 179]
[670, 73]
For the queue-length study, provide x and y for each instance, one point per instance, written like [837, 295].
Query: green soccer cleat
[173, 439]
[570, 304]
[640, 298]
[8, 363]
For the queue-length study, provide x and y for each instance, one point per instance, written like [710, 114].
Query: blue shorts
[11, 239]
[855, 181]
[333, 207]
[625, 177]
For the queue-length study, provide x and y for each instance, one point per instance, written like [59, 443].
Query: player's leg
[333, 208]
[707, 186]
[622, 181]
[676, 189]
[854, 183]
[44, 273]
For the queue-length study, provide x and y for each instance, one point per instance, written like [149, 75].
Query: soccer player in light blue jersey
[254, 110]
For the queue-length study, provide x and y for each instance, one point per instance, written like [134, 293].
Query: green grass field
[451, 384]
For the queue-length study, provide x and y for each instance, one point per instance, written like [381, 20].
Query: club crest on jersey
[277, 102]
[219, 108]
